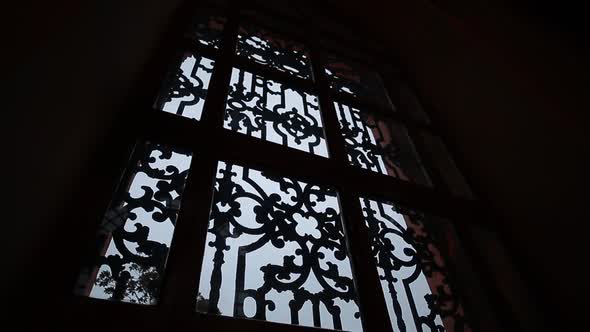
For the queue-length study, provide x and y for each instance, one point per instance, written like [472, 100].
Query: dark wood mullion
[336, 147]
[184, 265]
[371, 302]
[181, 287]
[249, 151]
[373, 307]
[214, 107]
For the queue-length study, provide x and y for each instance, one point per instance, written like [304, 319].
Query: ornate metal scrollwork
[273, 50]
[413, 275]
[185, 88]
[275, 112]
[276, 251]
[378, 145]
[135, 235]
[207, 30]
[356, 81]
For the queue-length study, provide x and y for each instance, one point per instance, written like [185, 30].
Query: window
[292, 212]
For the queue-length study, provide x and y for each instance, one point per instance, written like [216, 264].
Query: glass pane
[379, 145]
[413, 276]
[446, 166]
[276, 251]
[186, 87]
[274, 112]
[207, 30]
[356, 80]
[135, 234]
[274, 50]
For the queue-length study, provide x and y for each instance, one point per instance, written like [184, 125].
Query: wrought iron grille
[135, 234]
[185, 88]
[411, 269]
[275, 112]
[284, 240]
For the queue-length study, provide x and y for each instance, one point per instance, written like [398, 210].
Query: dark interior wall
[507, 91]
[506, 84]
[76, 67]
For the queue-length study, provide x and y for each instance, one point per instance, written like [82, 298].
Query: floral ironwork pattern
[275, 112]
[276, 251]
[185, 88]
[136, 231]
[356, 80]
[273, 50]
[207, 30]
[412, 272]
[378, 145]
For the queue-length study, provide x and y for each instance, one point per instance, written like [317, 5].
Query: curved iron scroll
[275, 112]
[135, 235]
[185, 88]
[273, 50]
[413, 275]
[276, 251]
[379, 145]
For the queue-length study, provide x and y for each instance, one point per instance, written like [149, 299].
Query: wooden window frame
[210, 142]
